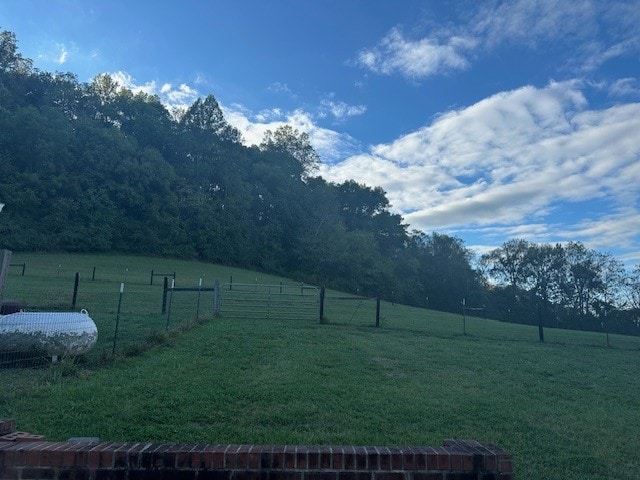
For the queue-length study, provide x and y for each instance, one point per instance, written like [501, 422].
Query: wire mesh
[256, 301]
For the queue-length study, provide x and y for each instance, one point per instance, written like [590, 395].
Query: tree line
[94, 167]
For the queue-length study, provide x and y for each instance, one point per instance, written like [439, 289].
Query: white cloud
[625, 87]
[528, 22]
[62, 57]
[510, 160]
[416, 58]
[283, 88]
[174, 97]
[341, 110]
[593, 31]
[329, 144]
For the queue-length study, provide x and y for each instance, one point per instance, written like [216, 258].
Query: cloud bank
[508, 160]
[592, 32]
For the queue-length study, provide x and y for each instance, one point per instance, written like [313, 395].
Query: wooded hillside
[93, 167]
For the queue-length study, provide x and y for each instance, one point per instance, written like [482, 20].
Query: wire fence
[130, 315]
[132, 310]
[286, 302]
[127, 317]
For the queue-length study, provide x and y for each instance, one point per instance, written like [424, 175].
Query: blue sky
[483, 119]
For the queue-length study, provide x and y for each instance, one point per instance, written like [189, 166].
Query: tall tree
[508, 263]
[297, 145]
[10, 59]
[205, 116]
[449, 277]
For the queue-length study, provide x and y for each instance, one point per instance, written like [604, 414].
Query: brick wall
[25, 456]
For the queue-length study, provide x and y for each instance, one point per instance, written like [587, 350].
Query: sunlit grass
[568, 408]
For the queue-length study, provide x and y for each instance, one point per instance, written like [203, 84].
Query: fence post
[540, 328]
[198, 303]
[464, 316]
[115, 334]
[173, 284]
[321, 313]
[75, 291]
[151, 282]
[217, 293]
[377, 310]
[164, 295]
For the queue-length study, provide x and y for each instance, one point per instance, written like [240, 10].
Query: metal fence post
[75, 290]
[115, 333]
[173, 284]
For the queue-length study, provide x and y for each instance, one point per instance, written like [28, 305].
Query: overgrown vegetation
[93, 167]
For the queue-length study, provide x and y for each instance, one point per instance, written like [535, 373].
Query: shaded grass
[567, 409]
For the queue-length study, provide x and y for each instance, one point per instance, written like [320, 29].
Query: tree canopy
[94, 167]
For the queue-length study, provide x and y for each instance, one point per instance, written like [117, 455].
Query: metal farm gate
[255, 301]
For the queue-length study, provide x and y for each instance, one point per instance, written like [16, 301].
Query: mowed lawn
[568, 408]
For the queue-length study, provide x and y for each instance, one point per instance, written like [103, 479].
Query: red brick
[490, 463]
[21, 437]
[285, 475]
[49, 455]
[183, 456]
[140, 455]
[471, 462]
[443, 458]
[242, 457]
[38, 473]
[456, 461]
[349, 458]
[427, 476]
[249, 475]
[231, 456]
[277, 456]
[384, 458]
[6, 426]
[289, 458]
[82, 454]
[302, 457]
[314, 458]
[10, 473]
[69, 456]
[93, 457]
[316, 475]
[337, 458]
[254, 458]
[409, 459]
[389, 476]
[108, 455]
[119, 456]
[419, 459]
[373, 458]
[325, 458]
[354, 475]
[33, 455]
[361, 455]
[396, 458]
[504, 464]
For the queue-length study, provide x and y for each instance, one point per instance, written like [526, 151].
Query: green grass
[568, 408]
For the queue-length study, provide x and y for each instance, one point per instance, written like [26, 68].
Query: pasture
[568, 408]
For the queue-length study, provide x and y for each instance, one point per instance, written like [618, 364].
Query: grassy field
[568, 408]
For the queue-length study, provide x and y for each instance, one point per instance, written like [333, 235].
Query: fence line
[258, 301]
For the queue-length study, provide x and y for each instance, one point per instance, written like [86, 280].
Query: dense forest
[94, 167]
